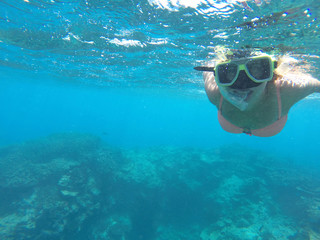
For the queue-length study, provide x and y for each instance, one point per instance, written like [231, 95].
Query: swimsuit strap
[279, 101]
[220, 104]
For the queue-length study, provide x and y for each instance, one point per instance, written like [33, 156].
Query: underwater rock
[69, 193]
[116, 227]
[26, 174]
[141, 171]
[51, 197]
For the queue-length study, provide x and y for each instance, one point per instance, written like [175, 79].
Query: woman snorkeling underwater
[254, 92]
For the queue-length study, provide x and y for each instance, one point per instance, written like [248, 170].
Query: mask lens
[260, 68]
[227, 72]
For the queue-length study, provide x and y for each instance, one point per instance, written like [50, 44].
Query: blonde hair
[291, 64]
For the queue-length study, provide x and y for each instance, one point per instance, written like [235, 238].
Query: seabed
[74, 186]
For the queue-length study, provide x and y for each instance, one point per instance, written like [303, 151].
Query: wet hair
[223, 54]
[290, 63]
[242, 53]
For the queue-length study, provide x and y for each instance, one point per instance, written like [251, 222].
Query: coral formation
[73, 186]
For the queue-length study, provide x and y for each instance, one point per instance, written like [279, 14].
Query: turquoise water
[106, 131]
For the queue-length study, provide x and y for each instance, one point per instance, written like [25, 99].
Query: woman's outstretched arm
[295, 87]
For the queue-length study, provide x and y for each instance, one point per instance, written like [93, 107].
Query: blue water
[123, 71]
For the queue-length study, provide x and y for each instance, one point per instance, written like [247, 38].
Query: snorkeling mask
[259, 69]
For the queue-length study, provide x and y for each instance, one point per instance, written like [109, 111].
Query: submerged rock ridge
[74, 186]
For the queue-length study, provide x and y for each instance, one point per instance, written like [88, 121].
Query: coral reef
[73, 186]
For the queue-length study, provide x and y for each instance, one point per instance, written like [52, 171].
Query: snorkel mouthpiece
[243, 98]
[236, 97]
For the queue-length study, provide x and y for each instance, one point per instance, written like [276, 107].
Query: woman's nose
[243, 81]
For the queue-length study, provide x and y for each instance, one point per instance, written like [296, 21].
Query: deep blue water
[139, 116]
[123, 71]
